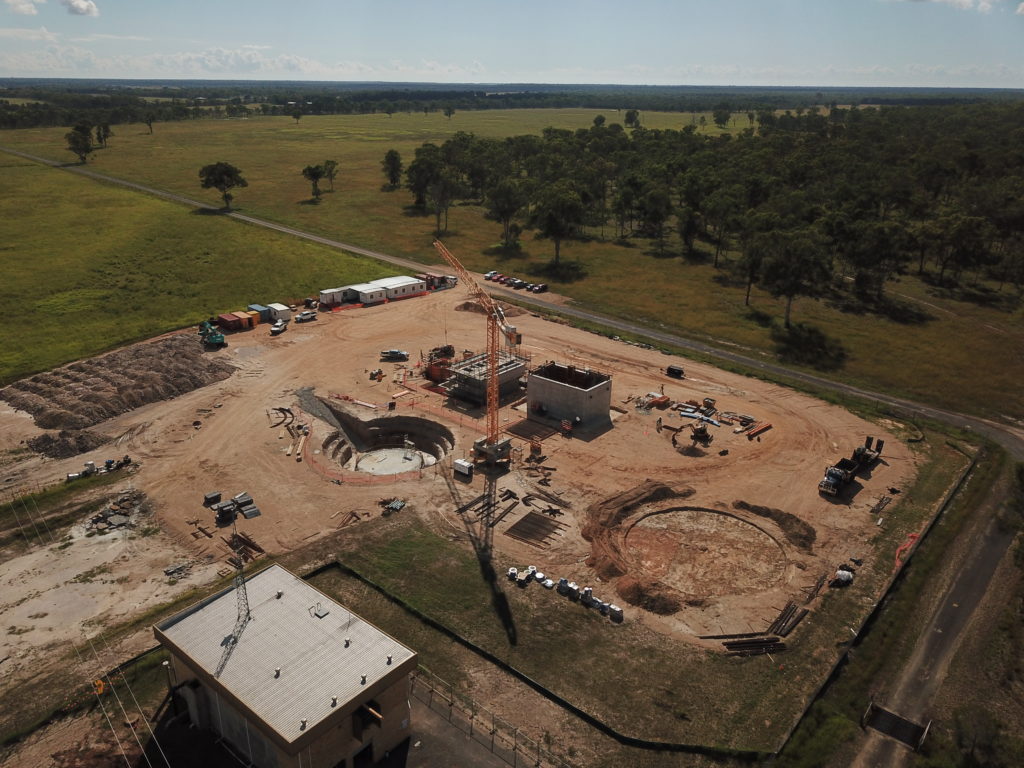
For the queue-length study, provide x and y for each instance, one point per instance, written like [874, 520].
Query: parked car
[305, 316]
[490, 275]
[540, 288]
[495, 277]
[517, 284]
[394, 354]
[507, 280]
[279, 327]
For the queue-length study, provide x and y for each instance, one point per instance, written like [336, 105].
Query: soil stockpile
[66, 443]
[797, 532]
[509, 310]
[85, 393]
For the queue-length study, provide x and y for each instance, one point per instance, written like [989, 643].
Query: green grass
[91, 267]
[966, 356]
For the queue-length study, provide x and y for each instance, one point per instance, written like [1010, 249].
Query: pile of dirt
[604, 531]
[66, 443]
[797, 532]
[509, 310]
[91, 391]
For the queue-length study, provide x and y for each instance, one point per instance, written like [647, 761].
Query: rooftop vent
[362, 680]
[277, 671]
[279, 595]
[319, 611]
[348, 641]
[302, 724]
[389, 659]
[334, 701]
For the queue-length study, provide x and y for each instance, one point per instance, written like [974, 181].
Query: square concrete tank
[565, 392]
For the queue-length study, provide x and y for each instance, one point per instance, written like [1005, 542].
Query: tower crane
[492, 449]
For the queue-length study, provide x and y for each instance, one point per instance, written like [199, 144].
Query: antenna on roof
[241, 596]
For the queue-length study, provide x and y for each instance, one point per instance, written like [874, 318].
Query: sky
[932, 43]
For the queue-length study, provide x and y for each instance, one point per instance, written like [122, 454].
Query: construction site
[691, 504]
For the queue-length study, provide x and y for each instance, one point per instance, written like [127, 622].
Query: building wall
[335, 738]
[555, 400]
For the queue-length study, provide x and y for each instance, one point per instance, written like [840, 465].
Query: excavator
[212, 337]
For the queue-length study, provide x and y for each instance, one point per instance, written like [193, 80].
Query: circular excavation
[388, 445]
[702, 553]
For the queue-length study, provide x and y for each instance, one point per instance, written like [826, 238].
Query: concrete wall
[551, 399]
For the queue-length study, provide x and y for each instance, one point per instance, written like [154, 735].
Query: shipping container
[264, 312]
[229, 322]
[254, 318]
[244, 319]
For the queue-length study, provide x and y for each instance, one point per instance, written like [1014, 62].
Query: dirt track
[235, 449]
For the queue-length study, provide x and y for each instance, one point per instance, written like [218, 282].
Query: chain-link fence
[480, 724]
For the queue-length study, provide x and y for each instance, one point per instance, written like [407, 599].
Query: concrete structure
[279, 312]
[402, 287]
[307, 684]
[468, 379]
[366, 293]
[564, 392]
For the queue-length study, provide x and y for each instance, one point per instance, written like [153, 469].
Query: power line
[127, 762]
[139, 707]
[124, 712]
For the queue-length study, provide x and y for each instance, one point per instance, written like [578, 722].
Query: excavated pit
[384, 445]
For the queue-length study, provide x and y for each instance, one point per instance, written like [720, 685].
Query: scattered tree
[79, 141]
[504, 201]
[392, 165]
[313, 174]
[297, 115]
[599, 121]
[149, 119]
[330, 171]
[103, 133]
[449, 111]
[223, 177]
[795, 265]
[632, 118]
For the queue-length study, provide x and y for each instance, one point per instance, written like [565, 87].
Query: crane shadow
[476, 518]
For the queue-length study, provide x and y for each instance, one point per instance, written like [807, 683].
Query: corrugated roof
[366, 288]
[277, 306]
[286, 633]
[396, 282]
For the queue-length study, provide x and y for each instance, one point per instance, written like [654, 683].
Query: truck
[844, 470]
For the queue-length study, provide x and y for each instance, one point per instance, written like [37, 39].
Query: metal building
[306, 683]
[468, 378]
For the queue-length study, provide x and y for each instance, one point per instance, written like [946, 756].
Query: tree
[313, 174]
[795, 264]
[721, 114]
[599, 121]
[223, 177]
[688, 224]
[103, 133]
[557, 214]
[330, 171]
[392, 165]
[297, 115]
[422, 172]
[441, 193]
[449, 111]
[504, 201]
[655, 209]
[149, 119]
[632, 118]
[79, 141]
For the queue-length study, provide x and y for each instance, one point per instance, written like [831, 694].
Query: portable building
[264, 312]
[279, 312]
[244, 319]
[402, 287]
[332, 296]
[367, 293]
[229, 322]
[254, 318]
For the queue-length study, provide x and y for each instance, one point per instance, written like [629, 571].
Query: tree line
[797, 203]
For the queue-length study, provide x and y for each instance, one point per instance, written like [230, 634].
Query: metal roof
[396, 282]
[303, 632]
[366, 288]
[277, 306]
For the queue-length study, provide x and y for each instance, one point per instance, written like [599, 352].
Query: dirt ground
[221, 438]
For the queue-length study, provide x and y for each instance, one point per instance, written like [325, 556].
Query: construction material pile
[66, 443]
[123, 512]
[88, 392]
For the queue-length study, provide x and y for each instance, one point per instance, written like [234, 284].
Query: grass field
[955, 353]
[92, 267]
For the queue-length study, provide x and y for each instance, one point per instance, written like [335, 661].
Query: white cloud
[81, 7]
[982, 6]
[94, 38]
[15, 33]
[1020, 9]
[24, 7]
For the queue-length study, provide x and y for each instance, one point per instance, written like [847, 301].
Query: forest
[800, 203]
